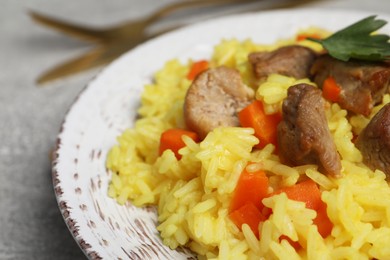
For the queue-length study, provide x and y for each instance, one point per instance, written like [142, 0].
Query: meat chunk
[214, 99]
[363, 84]
[303, 134]
[293, 61]
[374, 141]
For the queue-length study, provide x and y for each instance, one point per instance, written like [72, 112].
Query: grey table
[31, 226]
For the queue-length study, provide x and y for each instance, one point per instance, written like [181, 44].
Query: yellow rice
[193, 194]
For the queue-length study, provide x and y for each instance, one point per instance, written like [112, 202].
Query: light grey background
[31, 226]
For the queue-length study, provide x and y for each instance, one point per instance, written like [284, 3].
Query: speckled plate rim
[107, 106]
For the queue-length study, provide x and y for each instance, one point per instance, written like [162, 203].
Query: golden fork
[114, 41]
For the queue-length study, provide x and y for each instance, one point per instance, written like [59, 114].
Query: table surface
[31, 226]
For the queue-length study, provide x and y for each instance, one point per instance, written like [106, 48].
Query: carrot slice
[251, 187]
[306, 191]
[172, 139]
[265, 126]
[309, 193]
[197, 68]
[331, 90]
[248, 214]
[322, 221]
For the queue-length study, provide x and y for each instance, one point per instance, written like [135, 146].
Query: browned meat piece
[303, 134]
[214, 99]
[293, 61]
[363, 84]
[374, 141]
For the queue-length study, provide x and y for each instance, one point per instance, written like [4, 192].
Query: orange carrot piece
[304, 36]
[172, 139]
[264, 125]
[322, 221]
[309, 193]
[306, 191]
[331, 90]
[294, 244]
[197, 68]
[251, 187]
[248, 214]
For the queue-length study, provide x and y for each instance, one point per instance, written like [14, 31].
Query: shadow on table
[31, 223]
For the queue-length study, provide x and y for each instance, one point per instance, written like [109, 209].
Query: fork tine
[81, 32]
[91, 59]
[96, 57]
[100, 55]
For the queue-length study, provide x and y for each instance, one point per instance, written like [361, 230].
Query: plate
[107, 106]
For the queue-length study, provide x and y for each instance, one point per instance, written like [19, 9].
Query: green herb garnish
[357, 41]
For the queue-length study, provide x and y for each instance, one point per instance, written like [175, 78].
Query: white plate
[107, 106]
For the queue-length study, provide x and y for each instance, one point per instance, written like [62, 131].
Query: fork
[112, 42]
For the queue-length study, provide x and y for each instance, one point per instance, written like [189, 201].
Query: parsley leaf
[357, 41]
